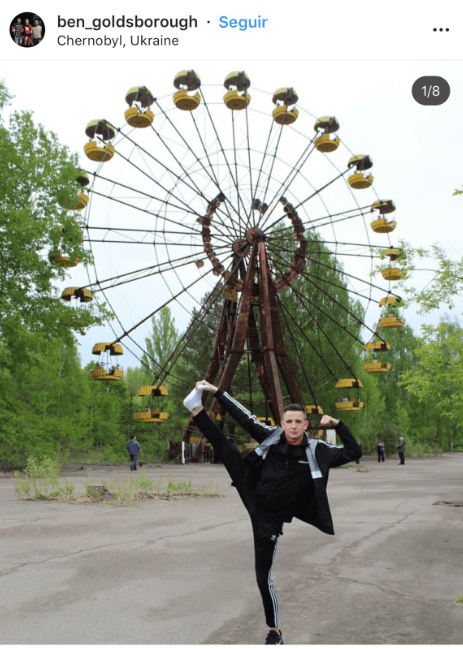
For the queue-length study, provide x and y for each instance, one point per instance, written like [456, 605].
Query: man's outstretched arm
[240, 414]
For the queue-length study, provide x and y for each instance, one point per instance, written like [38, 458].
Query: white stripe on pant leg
[271, 587]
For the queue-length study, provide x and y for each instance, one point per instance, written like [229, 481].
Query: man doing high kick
[284, 477]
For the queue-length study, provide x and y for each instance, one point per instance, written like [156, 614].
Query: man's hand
[329, 422]
[205, 385]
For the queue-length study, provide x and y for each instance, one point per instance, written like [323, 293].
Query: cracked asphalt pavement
[181, 572]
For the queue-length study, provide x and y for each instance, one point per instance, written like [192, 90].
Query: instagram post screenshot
[231, 262]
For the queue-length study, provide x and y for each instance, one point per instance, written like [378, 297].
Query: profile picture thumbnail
[27, 29]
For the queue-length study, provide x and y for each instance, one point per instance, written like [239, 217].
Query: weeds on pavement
[41, 481]
[179, 488]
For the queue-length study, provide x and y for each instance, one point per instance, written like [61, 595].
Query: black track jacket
[315, 511]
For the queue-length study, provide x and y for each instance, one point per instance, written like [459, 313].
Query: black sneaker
[274, 637]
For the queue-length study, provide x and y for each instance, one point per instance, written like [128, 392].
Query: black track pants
[265, 547]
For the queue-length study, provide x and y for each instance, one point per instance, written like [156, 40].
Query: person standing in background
[133, 448]
[401, 449]
[380, 450]
[357, 461]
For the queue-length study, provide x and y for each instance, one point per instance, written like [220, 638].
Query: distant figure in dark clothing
[380, 449]
[133, 448]
[357, 461]
[17, 29]
[401, 449]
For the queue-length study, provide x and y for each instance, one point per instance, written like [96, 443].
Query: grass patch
[134, 488]
[459, 600]
[41, 481]
[178, 488]
[363, 469]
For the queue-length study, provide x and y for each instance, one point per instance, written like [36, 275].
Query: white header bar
[241, 31]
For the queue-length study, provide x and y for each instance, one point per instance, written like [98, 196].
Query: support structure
[238, 330]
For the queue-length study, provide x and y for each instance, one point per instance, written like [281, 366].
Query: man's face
[36, 23]
[294, 424]
[18, 20]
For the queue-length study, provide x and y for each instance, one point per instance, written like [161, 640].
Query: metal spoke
[222, 150]
[309, 277]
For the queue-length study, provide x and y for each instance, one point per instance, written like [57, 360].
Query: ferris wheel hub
[255, 234]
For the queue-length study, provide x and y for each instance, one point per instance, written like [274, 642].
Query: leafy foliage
[446, 283]
[38, 179]
[437, 378]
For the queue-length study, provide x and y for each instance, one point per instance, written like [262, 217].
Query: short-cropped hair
[297, 407]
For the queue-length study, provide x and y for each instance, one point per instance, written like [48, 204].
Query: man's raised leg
[229, 455]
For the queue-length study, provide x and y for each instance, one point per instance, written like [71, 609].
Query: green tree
[136, 377]
[161, 344]
[446, 283]
[372, 422]
[43, 409]
[38, 177]
[107, 406]
[437, 379]
[42, 387]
